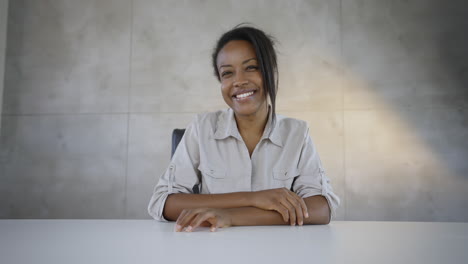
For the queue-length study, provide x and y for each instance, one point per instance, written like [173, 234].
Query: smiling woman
[241, 81]
[252, 166]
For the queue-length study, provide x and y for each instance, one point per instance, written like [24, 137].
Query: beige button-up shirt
[213, 155]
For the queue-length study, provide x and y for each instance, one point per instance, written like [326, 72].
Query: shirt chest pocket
[284, 177]
[214, 179]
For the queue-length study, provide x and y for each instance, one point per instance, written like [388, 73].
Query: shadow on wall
[438, 47]
[409, 61]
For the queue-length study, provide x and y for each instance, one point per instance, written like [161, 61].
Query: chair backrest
[177, 135]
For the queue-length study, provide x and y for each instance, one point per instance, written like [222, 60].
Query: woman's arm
[318, 212]
[291, 207]
[247, 216]
[177, 202]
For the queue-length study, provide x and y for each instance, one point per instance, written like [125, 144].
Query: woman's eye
[225, 73]
[252, 67]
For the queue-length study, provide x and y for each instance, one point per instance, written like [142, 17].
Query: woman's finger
[297, 206]
[178, 227]
[304, 207]
[197, 220]
[303, 204]
[185, 220]
[291, 210]
[299, 210]
[214, 226]
[283, 211]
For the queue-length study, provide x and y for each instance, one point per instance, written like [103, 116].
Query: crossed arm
[269, 207]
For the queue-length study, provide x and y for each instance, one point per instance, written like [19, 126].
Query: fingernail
[189, 228]
[307, 214]
[177, 227]
[301, 223]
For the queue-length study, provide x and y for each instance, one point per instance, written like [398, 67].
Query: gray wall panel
[94, 88]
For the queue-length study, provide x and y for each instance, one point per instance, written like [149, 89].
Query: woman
[253, 167]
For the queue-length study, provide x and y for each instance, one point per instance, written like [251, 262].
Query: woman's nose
[240, 83]
[240, 80]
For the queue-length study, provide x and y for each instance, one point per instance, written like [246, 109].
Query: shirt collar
[226, 126]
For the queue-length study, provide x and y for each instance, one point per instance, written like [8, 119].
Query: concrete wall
[3, 36]
[94, 89]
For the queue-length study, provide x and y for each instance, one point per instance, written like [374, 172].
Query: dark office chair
[177, 135]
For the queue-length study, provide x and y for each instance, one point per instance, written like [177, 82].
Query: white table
[147, 241]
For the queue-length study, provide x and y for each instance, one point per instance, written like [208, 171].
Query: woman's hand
[287, 203]
[210, 217]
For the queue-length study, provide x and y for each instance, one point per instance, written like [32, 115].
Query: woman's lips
[244, 96]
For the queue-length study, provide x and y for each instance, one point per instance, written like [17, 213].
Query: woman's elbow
[322, 216]
[319, 210]
[327, 217]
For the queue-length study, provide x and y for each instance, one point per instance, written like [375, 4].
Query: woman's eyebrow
[244, 62]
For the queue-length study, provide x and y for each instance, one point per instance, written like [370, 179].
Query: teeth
[244, 95]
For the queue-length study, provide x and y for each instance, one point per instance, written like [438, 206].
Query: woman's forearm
[241, 210]
[253, 216]
[177, 202]
[317, 207]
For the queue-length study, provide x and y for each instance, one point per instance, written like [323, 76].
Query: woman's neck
[252, 124]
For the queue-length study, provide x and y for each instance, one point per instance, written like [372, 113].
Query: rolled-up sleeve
[181, 174]
[312, 179]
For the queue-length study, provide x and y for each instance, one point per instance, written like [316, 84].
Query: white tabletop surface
[148, 241]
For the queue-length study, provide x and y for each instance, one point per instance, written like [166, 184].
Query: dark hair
[265, 52]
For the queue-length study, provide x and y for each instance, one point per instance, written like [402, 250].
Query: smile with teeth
[244, 95]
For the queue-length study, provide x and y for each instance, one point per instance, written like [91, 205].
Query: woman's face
[241, 79]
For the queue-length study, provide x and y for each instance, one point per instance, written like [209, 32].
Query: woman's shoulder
[207, 122]
[210, 117]
[290, 131]
[291, 124]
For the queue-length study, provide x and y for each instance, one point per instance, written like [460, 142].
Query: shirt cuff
[156, 207]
